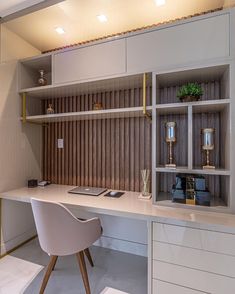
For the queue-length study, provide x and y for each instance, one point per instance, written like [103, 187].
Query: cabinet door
[160, 287]
[180, 44]
[95, 61]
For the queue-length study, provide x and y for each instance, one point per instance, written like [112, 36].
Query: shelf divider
[190, 137]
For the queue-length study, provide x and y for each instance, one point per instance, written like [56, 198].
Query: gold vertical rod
[144, 94]
[24, 108]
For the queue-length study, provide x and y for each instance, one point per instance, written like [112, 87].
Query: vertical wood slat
[107, 152]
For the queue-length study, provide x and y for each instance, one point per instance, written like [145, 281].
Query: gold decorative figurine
[97, 106]
[170, 139]
[208, 145]
[50, 110]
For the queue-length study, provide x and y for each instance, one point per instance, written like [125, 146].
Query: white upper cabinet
[180, 44]
[105, 59]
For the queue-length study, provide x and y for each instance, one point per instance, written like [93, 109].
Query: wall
[20, 145]
[107, 153]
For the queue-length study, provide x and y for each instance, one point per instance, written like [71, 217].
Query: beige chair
[61, 233]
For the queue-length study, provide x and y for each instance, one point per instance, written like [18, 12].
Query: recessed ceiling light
[102, 18]
[160, 2]
[60, 30]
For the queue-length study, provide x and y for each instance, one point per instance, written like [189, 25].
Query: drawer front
[190, 42]
[199, 239]
[191, 278]
[95, 61]
[194, 258]
[160, 287]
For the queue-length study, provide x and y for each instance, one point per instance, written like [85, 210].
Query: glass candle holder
[42, 81]
[208, 139]
[170, 131]
[170, 139]
[208, 145]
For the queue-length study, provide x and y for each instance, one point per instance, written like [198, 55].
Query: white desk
[127, 206]
[208, 238]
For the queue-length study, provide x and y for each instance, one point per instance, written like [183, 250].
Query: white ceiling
[78, 18]
[11, 6]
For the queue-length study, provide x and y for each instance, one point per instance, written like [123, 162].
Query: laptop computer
[92, 191]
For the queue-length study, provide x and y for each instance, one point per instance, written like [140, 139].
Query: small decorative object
[97, 106]
[190, 92]
[208, 145]
[145, 194]
[50, 110]
[170, 139]
[42, 80]
[190, 189]
[32, 183]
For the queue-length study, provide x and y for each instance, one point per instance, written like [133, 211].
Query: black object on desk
[114, 194]
[32, 183]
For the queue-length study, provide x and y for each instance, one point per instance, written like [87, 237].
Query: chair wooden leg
[55, 263]
[47, 274]
[88, 255]
[82, 265]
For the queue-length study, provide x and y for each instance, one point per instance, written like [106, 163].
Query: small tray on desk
[116, 195]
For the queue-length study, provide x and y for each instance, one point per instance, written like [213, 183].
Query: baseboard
[18, 240]
[122, 245]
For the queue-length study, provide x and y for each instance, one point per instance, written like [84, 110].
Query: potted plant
[190, 92]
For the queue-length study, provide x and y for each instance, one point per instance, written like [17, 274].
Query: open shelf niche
[29, 71]
[120, 97]
[211, 111]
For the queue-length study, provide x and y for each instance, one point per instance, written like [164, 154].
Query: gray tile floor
[114, 269]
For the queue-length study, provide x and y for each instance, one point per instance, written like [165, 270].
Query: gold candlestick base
[208, 167]
[190, 201]
[170, 165]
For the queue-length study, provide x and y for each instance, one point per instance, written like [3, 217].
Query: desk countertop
[127, 206]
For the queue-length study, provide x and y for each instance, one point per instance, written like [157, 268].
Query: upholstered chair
[60, 233]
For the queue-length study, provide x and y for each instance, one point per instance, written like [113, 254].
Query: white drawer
[195, 238]
[160, 287]
[191, 278]
[194, 258]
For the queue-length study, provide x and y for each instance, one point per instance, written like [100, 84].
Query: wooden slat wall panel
[106, 153]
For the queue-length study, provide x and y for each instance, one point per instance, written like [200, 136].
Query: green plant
[190, 89]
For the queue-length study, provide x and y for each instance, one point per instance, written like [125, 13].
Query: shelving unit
[89, 115]
[33, 98]
[29, 72]
[211, 111]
